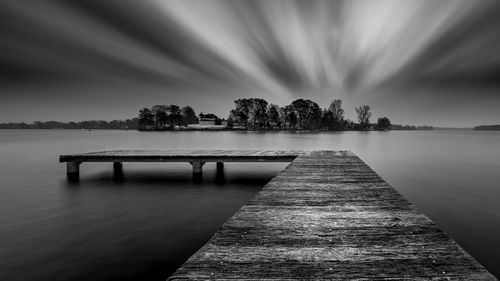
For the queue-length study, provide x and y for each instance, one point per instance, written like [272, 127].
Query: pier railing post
[197, 170]
[73, 170]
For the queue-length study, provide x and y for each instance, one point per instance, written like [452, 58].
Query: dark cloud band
[280, 46]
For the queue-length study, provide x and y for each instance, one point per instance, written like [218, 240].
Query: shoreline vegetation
[249, 114]
[256, 114]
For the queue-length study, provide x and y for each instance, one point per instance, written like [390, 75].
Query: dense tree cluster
[165, 117]
[383, 124]
[301, 114]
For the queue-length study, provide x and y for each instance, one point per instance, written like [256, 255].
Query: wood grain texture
[328, 216]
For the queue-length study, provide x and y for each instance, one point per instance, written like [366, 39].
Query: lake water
[147, 225]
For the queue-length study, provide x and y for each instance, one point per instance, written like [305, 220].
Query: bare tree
[336, 109]
[333, 117]
[364, 115]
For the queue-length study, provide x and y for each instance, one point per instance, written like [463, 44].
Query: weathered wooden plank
[328, 216]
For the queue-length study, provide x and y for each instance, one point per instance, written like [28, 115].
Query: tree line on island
[247, 114]
[258, 114]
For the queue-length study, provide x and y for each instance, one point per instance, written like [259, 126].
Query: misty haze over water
[145, 226]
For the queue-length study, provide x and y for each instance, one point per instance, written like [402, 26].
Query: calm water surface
[147, 225]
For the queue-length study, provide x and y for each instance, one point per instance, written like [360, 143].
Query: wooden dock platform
[197, 158]
[328, 216]
[184, 156]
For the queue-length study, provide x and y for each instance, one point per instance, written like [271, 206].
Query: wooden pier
[327, 216]
[197, 158]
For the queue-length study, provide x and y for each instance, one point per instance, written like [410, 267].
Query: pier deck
[197, 158]
[328, 216]
[184, 156]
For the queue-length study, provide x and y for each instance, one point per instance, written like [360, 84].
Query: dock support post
[73, 171]
[118, 167]
[219, 176]
[117, 171]
[220, 167]
[197, 171]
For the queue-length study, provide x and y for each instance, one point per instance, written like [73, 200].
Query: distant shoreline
[487, 128]
[132, 125]
[227, 129]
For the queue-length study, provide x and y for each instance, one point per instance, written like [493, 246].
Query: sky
[416, 62]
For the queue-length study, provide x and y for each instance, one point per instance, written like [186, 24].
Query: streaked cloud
[278, 48]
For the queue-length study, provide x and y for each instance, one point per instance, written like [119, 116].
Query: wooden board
[328, 216]
[184, 156]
